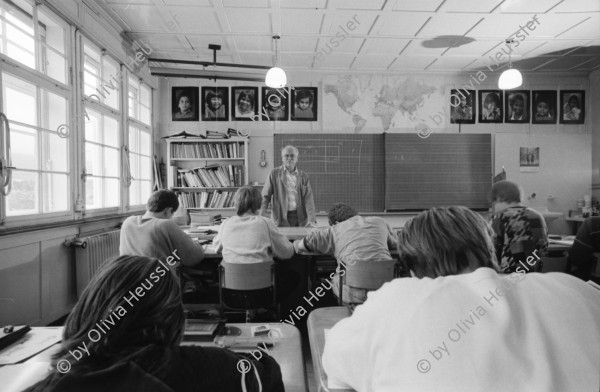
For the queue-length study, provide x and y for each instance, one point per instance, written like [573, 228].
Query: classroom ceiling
[389, 35]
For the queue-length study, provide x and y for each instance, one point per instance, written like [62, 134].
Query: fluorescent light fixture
[276, 77]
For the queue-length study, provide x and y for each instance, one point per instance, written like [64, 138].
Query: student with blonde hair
[459, 325]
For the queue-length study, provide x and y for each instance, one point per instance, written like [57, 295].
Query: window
[101, 76]
[140, 142]
[40, 152]
[102, 162]
[42, 49]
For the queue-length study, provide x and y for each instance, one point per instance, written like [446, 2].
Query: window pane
[112, 191]
[145, 95]
[55, 152]
[91, 83]
[146, 189]
[56, 192]
[23, 199]
[20, 100]
[92, 127]
[144, 143]
[111, 162]
[111, 132]
[134, 139]
[56, 66]
[93, 193]
[145, 168]
[144, 115]
[134, 161]
[54, 32]
[56, 111]
[134, 193]
[93, 160]
[24, 147]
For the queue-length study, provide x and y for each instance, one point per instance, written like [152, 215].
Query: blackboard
[346, 168]
[440, 170]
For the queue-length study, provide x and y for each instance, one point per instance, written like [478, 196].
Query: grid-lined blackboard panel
[440, 170]
[346, 168]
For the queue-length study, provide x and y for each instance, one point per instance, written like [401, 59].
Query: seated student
[581, 254]
[351, 237]
[125, 342]
[520, 232]
[154, 234]
[248, 237]
[458, 325]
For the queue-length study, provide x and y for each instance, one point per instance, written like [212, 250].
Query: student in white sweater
[458, 325]
[248, 237]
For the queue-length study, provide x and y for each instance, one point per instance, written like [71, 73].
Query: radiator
[91, 252]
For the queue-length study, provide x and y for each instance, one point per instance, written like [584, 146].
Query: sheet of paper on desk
[15, 378]
[34, 341]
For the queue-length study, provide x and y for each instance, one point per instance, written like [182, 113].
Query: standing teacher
[289, 192]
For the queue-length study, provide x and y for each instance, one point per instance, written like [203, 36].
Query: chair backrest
[554, 264]
[246, 276]
[370, 274]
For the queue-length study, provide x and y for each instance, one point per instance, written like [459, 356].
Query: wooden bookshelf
[206, 173]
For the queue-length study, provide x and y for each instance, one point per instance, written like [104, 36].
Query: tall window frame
[36, 97]
[140, 142]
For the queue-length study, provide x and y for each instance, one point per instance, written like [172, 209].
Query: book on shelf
[217, 150]
[183, 135]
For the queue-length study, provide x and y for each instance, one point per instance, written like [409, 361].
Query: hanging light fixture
[276, 76]
[510, 78]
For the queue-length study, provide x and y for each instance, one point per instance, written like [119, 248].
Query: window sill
[53, 225]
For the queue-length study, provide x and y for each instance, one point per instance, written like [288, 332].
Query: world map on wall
[381, 103]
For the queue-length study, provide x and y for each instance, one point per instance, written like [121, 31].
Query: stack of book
[198, 330]
[216, 135]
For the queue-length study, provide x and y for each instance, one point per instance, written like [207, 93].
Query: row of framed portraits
[517, 106]
[217, 104]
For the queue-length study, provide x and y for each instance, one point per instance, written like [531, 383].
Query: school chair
[367, 274]
[202, 301]
[248, 287]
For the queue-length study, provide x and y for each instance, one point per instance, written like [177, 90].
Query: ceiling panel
[583, 6]
[246, 3]
[384, 45]
[349, 45]
[248, 21]
[400, 23]
[468, 6]
[333, 60]
[245, 43]
[300, 21]
[198, 21]
[411, 63]
[373, 61]
[188, 3]
[454, 63]
[297, 60]
[311, 4]
[449, 24]
[532, 7]
[361, 4]
[298, 44]
[201, 42]
[347, 23]
[417, 5]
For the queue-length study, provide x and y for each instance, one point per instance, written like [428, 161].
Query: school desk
[286, 350]
[318, 321]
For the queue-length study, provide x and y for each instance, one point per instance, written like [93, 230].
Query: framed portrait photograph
[184, 104]
[462, 106]
[214, 103]
[490, 106]
[275, 104]
[517, 106]
[304, 104]
[244, 103]
[543, 107]
[572, 106]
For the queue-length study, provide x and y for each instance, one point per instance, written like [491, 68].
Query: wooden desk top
[286, 350]
[318, 321]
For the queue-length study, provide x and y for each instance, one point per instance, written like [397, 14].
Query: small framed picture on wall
[543, 108]
[572, 106]
[516, 106]
[304, 104]
[275, 104]
[462, 106]
[214, 103]
[244, 103]
[490, 106]
[184, 104]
